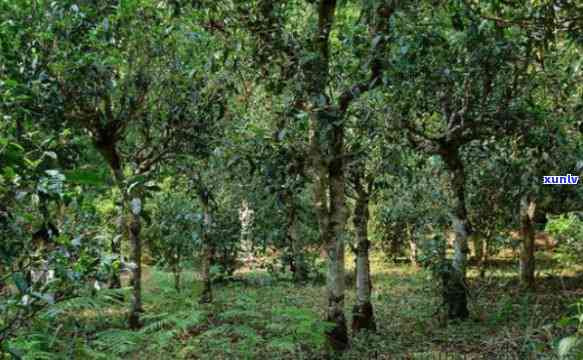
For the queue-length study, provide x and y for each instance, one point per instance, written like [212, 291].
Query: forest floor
[274, 319]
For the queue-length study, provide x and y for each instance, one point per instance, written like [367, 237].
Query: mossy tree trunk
[297, 263]
[134, 230]
[412, 246]
[527, 259]
[456, 294]
[330, 203]
[207, 253]
[106, 145]
[327, 129]
[363, 311]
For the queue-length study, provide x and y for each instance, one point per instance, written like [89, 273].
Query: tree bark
[412, 247]
[135, 228]
[456, 295]
[336, 232]
[111, 156]
[176, 270]
[363, 312]
[485, 253]
[297, 263]
[330, 204]
[527, 259]
[336, 261]
[460, 221]
[395, 247]
[207, 256]
[478, 241]
[326, 151]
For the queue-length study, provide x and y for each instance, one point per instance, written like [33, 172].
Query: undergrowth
[274, 319]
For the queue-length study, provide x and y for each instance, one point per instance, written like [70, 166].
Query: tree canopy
[292, 179]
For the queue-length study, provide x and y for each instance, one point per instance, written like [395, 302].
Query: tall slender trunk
[478, 242]
[176, 271]
[485, 254]
[105, 140]
[116, 241]
[336, 261]
[412, 246]
[135, 227]
[527, 259]
[246, 215]
[456, 294]
[336, 231]
[111, 156]
[330, 205]
[394, 247]
[207, 256]
[362, 313]
[297, 263]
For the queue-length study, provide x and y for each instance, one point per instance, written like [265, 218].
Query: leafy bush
[568, 229]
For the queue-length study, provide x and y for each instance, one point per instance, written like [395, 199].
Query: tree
[475, 101]
[121, 75]
[311, 56]
[363, 315]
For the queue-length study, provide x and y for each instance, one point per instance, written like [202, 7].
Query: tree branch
[378, 47]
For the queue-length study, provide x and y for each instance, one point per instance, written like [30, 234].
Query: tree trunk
[485, 254]
[527, 259]
[454, 293]
[207, 256]
[115, 280]
[297, 263]
[327, 155]
[363, 312]
[330, 204]
[134, 228]
[478, 241]
[336, 230]
[176, 271]
[412, 247]
[336, 283]
[246, 215]
[395, 247]
[457, 295]
[109, 153]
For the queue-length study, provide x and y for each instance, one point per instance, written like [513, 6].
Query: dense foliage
[183, 179]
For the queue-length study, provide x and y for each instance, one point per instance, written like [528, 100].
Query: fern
[181, 321]
[99, 304]
[119, 342]
[164, 321]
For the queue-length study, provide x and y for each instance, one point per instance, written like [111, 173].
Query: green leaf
[564, 322]
[9, 83]
[85, 177]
